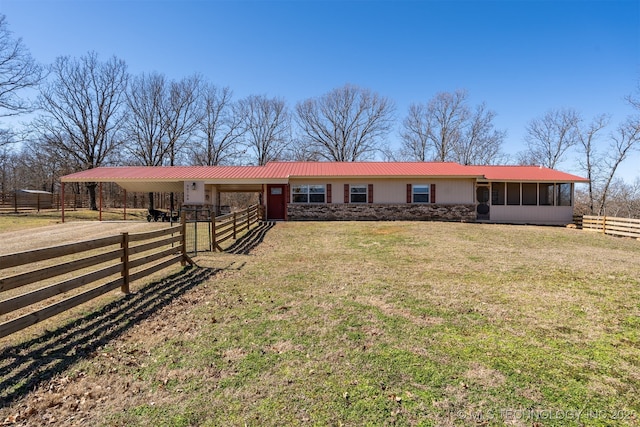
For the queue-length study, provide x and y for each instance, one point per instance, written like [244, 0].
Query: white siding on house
[454, 191]
[394, 191]
[559, 215]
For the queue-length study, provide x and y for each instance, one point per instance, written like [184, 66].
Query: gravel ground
[70, 232]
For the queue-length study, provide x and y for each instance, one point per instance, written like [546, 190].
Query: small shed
[33, 199]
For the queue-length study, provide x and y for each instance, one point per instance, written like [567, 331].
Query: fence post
[214, 243]
[234, 226]
[183, 237]
[604, 224]
[248, 218]
[15, 201]
[125, 263]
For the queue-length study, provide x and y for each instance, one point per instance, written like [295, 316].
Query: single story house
[366, 190]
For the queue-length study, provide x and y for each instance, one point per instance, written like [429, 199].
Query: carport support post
[100, 190]
[62, 200]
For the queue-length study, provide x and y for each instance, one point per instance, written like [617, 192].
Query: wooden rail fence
[225, 227]
[146, 253]
[622, 227]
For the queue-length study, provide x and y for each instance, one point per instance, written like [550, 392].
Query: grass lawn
[391, 323]
[12, 222]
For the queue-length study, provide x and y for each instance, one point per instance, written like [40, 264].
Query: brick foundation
[380, 212]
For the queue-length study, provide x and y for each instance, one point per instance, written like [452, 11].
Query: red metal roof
[368, 169]
[525, 173]
[163, 173]
[286, 170]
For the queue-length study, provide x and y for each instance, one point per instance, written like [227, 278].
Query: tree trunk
[92, 196]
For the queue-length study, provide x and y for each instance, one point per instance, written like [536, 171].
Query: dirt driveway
[58, 234]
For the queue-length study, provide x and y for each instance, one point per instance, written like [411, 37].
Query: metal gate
[197, 229]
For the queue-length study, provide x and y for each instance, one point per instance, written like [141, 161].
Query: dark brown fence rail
[225, 227]
[132, 256]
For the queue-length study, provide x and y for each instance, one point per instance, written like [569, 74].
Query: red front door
[275, 202]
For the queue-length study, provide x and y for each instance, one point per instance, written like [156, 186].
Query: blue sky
[520, 57]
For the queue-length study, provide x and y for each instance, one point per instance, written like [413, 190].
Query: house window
[563, 194]
[497, 193]
[513, 193]
[308, 193]
[529, 194]
[545, 197]
[421, 193]
[358, 194]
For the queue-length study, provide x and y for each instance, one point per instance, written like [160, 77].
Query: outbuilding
[366, 190]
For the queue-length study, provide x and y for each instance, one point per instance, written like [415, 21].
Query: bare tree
[220, 129]
[626, 139]
[5, 170]
[447, 129]
[183, 114]
[447, 114]
[146, 126]
[549, 137]
[416, 134]
[7, 137]
[267, 125]
[346, 124]
[82, 110]
[591, 161]
[481, 142]
[41, 169]
[18, 71]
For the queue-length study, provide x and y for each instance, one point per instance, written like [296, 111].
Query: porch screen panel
[529, 194]
[513, 193]
[563, 194]
[546, 195]
[497, 193]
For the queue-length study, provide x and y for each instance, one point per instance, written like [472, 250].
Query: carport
[200, 185]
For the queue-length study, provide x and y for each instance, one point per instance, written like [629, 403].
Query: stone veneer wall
[380, 212]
